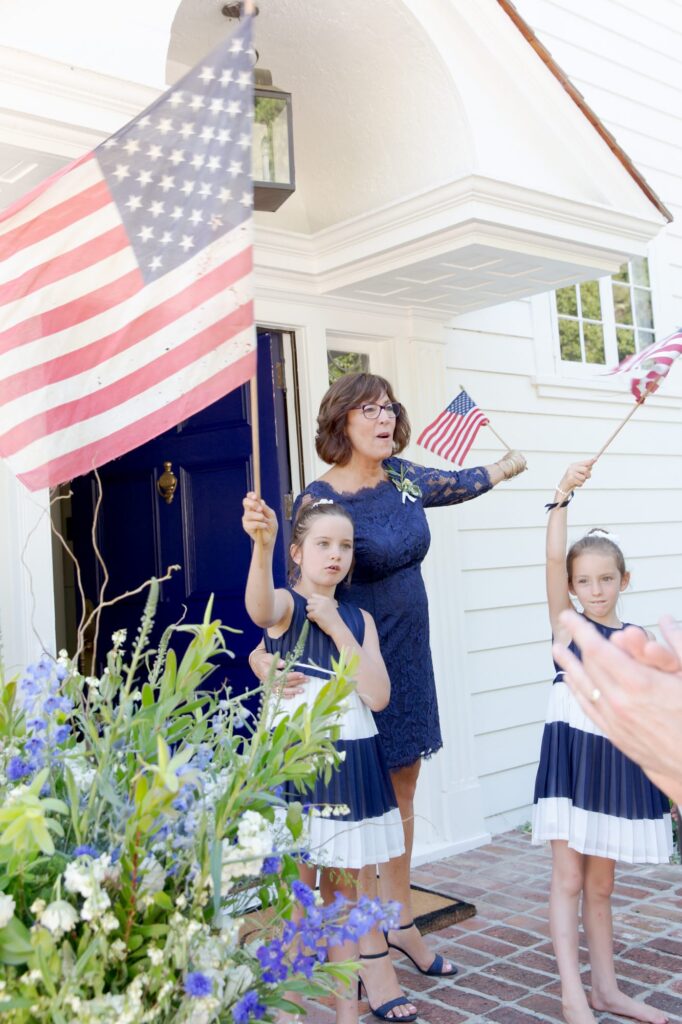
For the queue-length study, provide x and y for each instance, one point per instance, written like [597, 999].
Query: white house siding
[625, 59]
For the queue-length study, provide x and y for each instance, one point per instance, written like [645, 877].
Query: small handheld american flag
[452, 434]
[651, 365]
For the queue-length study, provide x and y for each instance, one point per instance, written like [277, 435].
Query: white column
[27, 620]
[449, 803]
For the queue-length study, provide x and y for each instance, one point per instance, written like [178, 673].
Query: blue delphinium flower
[248, 1007]
[271, 865]
[62, 733]
[17, 769]
[271, 959]
[198, 985]
[85, 850]
[303, 893]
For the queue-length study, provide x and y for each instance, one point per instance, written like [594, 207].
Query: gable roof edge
[577, 97]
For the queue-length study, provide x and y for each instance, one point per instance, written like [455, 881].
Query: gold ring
[595, 695]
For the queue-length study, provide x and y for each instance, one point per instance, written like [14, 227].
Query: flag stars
[216, 106]
[121, 172]
[235, 168]
[144, 178]
[233, 107]
[246, 199]
[244, 141]
[213, 163]
[165, 125]
[207, 74]
[237, 45]
[187, 187]
[176, 98]
[198, 161]
[225, 195]
[187, 129]
[195, 217]
[226, 76]
[167, 182]
[224, 135]
[134, 203]
[187, 243]
[216, 222]
[205, 190]
[166, 238]
[197, 102]
[207, 133]
[144, 122]
[177, 213]
[154, 152]
[156, 208]
[155, 263]
[177, 157]
[244, 79]
[145, 233]
[131, 146]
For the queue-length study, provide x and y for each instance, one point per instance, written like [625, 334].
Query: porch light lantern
[273, 144]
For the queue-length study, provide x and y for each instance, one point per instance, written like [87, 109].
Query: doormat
[435, 910]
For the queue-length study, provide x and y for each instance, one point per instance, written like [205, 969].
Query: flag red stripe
[72, 313]
[23, 201]
[135, 331]
[56, 219]
[87, 406]
[447, 431]
[83, 256]
[425, 439]
[82, 460]
[459, 438]
[465, 442]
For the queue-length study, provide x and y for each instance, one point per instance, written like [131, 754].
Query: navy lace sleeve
[447, 487]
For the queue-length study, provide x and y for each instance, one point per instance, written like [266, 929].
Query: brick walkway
[506, 965]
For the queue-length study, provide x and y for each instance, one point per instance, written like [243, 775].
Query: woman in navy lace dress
[361, 428]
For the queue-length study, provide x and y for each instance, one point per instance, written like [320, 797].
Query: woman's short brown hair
[349, 392]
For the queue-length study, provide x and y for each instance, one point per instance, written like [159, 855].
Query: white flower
[118, 949]
[153, 876]
[37, 907]
[59, 917]
[7, 906]
[79, 878]
[155, 955]
[181, 901]
[119, 637]
[109, 923]
[95, 905]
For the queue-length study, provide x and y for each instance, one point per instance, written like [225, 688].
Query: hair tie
[322, 501]
[605, 535]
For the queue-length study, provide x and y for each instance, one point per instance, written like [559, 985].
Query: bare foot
[410, 941]
[624, 1006]
[577, 1010]
[381, 985]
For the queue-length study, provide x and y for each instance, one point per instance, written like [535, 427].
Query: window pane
[569, 340]
[589, 300]
[644, 314]
[639, 268]
[622, 274]
[566, 301]
[339, 363]
[621, 302]
[644, 339]
[594, 343]
[626, 342]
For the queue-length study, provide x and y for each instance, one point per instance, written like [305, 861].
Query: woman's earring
[395, 446]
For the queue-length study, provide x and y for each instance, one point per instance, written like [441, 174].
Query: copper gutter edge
[577, 97]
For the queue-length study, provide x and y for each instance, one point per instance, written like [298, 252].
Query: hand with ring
[288, 686]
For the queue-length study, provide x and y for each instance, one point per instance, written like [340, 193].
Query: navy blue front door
[140, 534]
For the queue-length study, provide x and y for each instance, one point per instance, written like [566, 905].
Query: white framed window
[355, 353]
[601, 322]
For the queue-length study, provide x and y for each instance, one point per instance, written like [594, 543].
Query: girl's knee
[568, 880]
[599, 879]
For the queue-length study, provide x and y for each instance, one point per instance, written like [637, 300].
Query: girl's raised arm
[266, 606]
[558, 598]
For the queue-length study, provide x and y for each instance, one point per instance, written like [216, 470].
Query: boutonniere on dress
[409, 489]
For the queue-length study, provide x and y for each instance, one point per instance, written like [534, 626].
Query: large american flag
[452, 434]
[126, 295]
[647, 368]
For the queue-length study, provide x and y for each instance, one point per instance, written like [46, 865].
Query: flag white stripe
[104, 324]
[464, 430]
[430, 434]
[170, 390]
[87, 229]
[465, 442]
[446, 433]
[68, 186]
[143, 353]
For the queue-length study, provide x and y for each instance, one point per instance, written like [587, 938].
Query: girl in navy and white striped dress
[369, 829]
[592, 803]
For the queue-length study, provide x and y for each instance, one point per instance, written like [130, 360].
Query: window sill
[591, 387]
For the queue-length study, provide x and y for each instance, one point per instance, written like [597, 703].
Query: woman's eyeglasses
[372, 411]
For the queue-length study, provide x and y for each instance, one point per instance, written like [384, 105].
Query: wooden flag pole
[649, 390]
[255, 429]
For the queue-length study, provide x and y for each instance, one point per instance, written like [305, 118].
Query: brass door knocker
[167, 484]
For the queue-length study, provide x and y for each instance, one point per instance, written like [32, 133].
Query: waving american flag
[647, 368]
[126, 295]
[452, 434]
